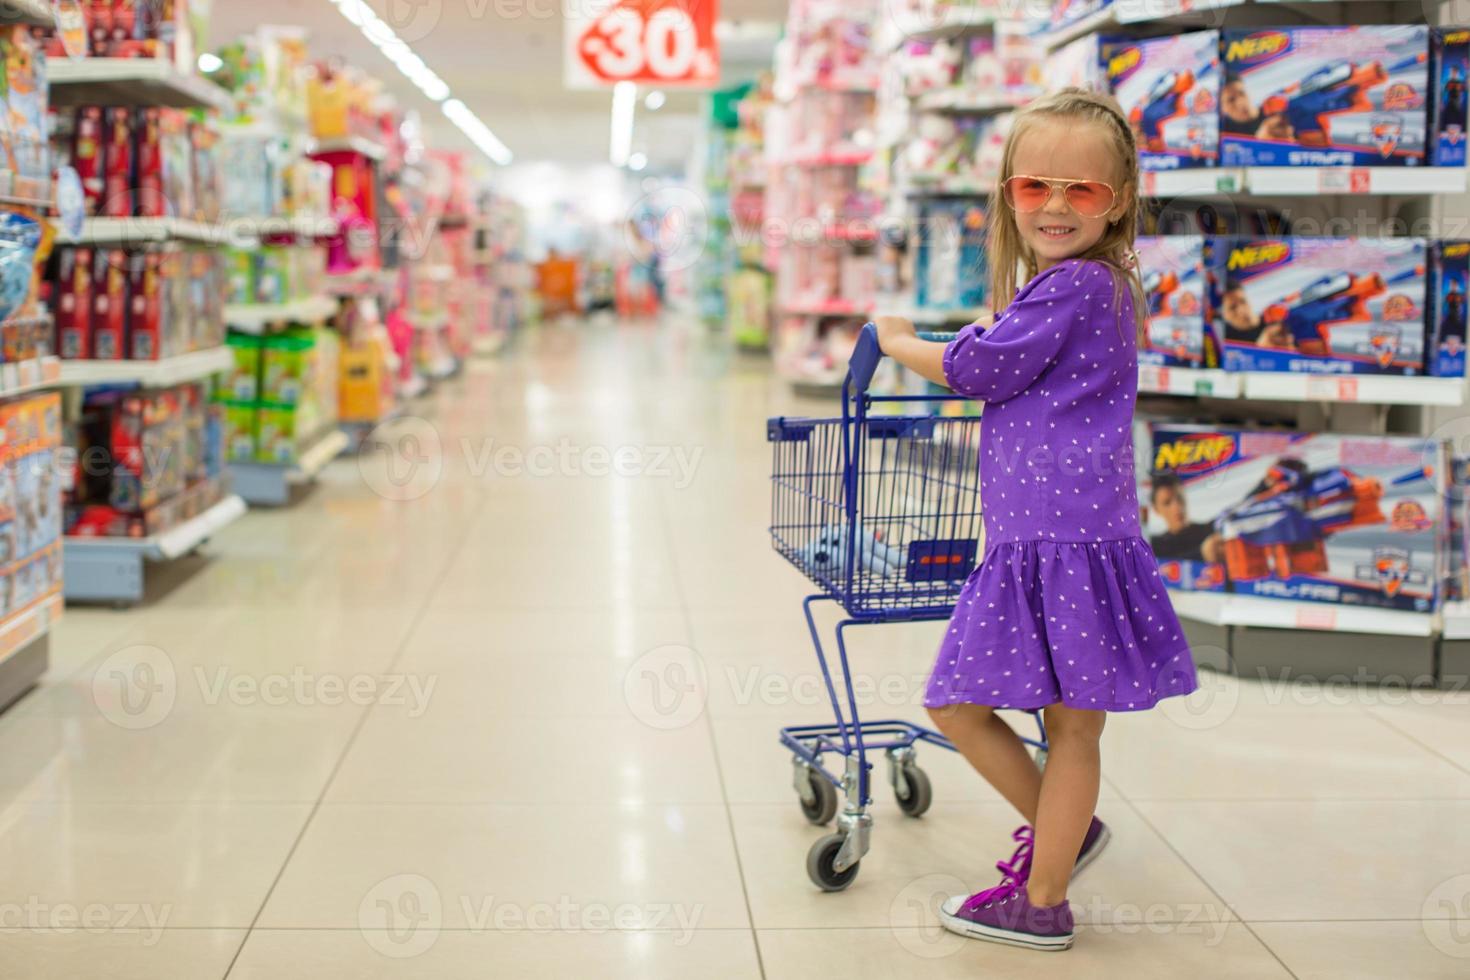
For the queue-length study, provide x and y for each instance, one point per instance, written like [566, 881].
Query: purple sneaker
[1004, 914]
[1097, 838]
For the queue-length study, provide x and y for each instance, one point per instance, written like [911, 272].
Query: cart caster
[822, 805]
[914, 791]
[1039, 755]
[819, 864]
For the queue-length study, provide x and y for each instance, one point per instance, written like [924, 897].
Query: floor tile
[76, 952]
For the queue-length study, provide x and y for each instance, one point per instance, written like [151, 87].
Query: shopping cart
[882, 513]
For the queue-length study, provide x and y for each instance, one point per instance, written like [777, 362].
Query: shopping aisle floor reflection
[502, 701]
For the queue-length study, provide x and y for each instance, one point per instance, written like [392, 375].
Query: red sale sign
[665, 43]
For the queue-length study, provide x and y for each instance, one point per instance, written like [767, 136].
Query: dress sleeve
[1000, 363]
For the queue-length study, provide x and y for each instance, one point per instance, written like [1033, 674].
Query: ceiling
[503, 58]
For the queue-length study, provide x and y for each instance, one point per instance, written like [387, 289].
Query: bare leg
[1069, 790]
[996, 752]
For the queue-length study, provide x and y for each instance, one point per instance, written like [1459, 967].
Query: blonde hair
[1008, 250]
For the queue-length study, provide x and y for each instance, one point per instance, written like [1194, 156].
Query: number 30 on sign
[655, 42]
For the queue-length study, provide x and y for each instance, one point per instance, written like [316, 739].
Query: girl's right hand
[890, 329]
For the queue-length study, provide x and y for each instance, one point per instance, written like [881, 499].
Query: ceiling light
[620, 139]
[210, 63]
[637, 161]
[434, 88]
[654, 100]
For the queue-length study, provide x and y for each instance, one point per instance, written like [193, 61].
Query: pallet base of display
[145, 231]
[255, 318]
[1332, 660]
[150, 374]
[25, 649]
[272, 484]
[131, 82]
[111, 569]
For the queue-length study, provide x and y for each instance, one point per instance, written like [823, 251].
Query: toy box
[283, 429]
[1325, 96]
[1169, 88]
[237, 431]
[1173, 272]
[73, 303]
[1449, 282]
[286, 366]
[1451, 69]
[950, 268]
[1319, 305]
[148, 452]
[1291, 515]
[242, 382]
[109, 304]
[117, 163]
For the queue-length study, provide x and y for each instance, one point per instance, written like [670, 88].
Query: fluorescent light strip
[620, 140]
[435, 89]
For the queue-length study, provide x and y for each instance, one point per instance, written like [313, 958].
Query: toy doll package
[1318, 305]
[1325, 96]
[1291, 515]
[1169, 88]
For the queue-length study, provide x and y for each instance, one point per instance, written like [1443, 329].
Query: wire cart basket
[882, 514]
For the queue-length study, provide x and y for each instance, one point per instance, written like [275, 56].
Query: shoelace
[1013, 872]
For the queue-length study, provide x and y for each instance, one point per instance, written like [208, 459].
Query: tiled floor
[502, 716]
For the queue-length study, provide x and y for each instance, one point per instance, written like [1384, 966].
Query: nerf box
[1173, 272]
[1318, 305]
[1169, 88]
[1449, 280]
[1325, 96]
[1451, 67]
[1293, 515]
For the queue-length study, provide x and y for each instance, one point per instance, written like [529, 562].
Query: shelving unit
[111, 569]
[272, 484]
[130, 82]
[349, 144]
[129, 232]
[256, 318]
[32, 13]
[148, 374]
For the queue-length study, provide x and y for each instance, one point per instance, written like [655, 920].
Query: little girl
[1066, 612]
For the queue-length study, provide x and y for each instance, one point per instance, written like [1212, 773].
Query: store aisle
[500, 714]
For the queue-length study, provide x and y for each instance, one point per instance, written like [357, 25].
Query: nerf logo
[1123, 62]
[1250, 256]
[1189, 455]
[1455, 251]
[1457, 37]
[1258, 47]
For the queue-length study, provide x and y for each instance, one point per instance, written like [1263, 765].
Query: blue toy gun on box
[1319, 305]
[1448, 286]
[1172, 268]
[1169, 88]
[1451, 71]
[1325, 96]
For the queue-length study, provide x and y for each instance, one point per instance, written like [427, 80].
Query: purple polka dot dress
[1067, 605]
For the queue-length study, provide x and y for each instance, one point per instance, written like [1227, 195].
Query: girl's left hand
[891, 328]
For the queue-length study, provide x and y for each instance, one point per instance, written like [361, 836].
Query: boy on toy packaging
[1325, 96]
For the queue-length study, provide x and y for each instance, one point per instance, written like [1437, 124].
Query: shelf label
[1152, 377]
[658, 42]
[1344, 180]
[1322, 617]
[1332, 389]
[1150, 184]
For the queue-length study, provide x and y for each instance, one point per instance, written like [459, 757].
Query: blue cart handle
[866, 354]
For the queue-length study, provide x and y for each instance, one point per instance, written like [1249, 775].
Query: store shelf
[967, 102]
[957, 316]
[111, 569]
[1158, 380]
[363, 282]
[1455, 620]
[150, 374]
[123, 232]
[255, 318]
[1366, 388]
[272, 483]
[1309, 181]
[835, 307]
[254, 228]
[20, 377]
[33, 13]
[1226, 609]
[22, 628]
[844, 158]
[934, 184]
[131, 82]
[946, 23]
[349, 144]
[1192, 182]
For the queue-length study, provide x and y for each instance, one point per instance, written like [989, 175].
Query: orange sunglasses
[1089, 198]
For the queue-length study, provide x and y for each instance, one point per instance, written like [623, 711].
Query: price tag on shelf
[1322, 617]
[1150, 183]
[1344, 180]
[1332, 389]
[1152, 377]
[655, 42]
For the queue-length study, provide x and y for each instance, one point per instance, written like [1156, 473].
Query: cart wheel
[1040, 755]
[819, 862]
[921, 792]
[823, 807]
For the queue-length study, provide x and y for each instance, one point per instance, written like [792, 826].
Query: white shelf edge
[315, 459]
[29, 624]
[138, 231]
[161, 373]
[176, 541]
[253, 318]
[1157, 379]
[1455, 617]
[1373, 389]
[35, 13]
[349, 144]
[1228, 609]
[1320, 181]
[152, 75]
